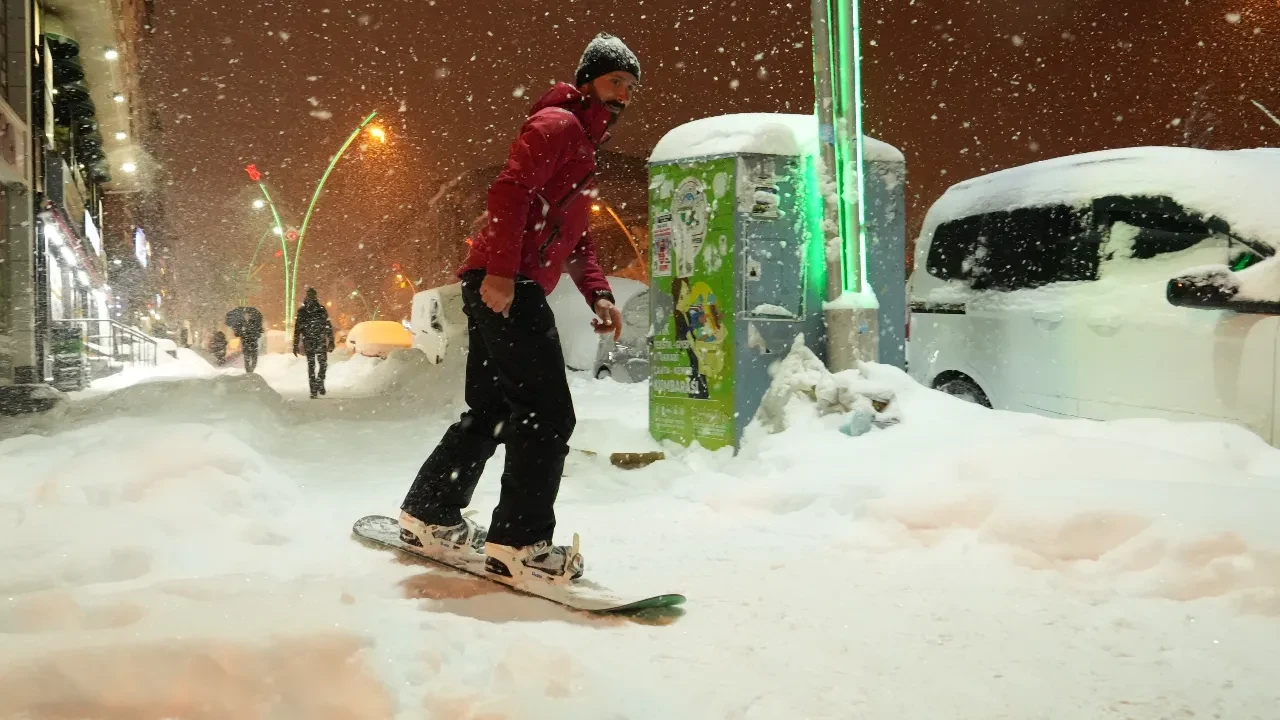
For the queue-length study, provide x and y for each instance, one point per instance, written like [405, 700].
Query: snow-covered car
[438, 322]
[377, 338]
[1129, 283]
[578, 339]
[627, 359]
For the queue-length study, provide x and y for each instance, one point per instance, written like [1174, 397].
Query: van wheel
[604, 373]
[965, 389]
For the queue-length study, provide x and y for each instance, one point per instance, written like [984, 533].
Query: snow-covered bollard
[801, 374]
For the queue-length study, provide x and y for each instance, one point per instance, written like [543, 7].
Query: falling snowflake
[1233, 18]
[314, 102]
[321, 114]
[404, 106]
[283, 35]
[442, 73]
[1018, 41]
[364, 19]
[312, 78]
[518, 92]
[733, 84]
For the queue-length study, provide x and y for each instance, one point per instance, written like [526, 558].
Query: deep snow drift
[181, 548]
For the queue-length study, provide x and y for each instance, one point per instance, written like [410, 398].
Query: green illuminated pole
[284, 247]
[306, 220]
[852, 332]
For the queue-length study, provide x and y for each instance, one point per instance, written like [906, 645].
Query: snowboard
[580, 595]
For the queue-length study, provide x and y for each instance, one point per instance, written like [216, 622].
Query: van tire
[963, 387]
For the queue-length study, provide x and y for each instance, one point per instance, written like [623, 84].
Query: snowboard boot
[542, 561]
[465, 538]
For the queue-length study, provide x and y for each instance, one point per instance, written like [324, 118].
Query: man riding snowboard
[516, 389]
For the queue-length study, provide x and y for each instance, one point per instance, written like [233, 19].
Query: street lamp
[306, 219]
[259, 204]
[291, 268]
[378, 133]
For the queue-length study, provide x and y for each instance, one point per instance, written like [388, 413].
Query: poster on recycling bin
[691, 208]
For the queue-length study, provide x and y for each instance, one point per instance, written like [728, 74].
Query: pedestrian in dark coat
[246, 323]
[218, 346]
[516, 390]
[313, 334]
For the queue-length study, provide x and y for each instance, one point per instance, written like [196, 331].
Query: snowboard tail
[579, 595]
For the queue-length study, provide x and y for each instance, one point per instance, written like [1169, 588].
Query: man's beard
[615, 107]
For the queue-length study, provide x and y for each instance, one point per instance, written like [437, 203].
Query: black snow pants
[317, 363]
[517, 394]
[249, 350]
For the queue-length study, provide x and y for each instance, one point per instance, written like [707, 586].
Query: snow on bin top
[1238, 186]
[754, 133]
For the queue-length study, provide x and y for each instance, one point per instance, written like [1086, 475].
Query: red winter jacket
[540, 204]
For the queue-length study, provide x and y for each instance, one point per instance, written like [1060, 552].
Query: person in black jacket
[313, 333]
[246, 323]
[218, 346]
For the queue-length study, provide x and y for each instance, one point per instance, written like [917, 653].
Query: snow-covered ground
[180, 548]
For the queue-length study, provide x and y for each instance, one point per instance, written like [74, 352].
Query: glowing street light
[129, 168]
[378, 133]
[259, 204]
[122, 135]
[111, 54]
[299, 235]
[118, 97]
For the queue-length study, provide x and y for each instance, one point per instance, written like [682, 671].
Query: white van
[1128, 283]
[438, 321]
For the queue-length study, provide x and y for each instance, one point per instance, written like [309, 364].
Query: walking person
[218, 346]
[246, 323]
[313, 334]
[516, 390]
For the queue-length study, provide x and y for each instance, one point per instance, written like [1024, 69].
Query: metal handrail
[121, 343]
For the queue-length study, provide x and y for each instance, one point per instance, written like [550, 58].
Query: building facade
[69, 145]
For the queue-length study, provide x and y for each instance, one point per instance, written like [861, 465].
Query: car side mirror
[1215, 288]
[1210, 288]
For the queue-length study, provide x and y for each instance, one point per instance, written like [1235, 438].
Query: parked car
[578, 340]
[1130, 283]
[627, 359]
[438, 322]
[377, 338]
